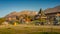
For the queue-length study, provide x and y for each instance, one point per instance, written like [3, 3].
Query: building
[53, 15]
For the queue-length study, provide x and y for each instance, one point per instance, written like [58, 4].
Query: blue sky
[8, 6]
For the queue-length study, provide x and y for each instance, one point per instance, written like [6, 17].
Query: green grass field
[29, 29]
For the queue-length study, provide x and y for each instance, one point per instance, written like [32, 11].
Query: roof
[52, 10]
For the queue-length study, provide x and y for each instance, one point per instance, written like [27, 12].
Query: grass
[44, 33]
[24, 29]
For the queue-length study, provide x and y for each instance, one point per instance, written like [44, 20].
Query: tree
[41, 16]
[2, 20]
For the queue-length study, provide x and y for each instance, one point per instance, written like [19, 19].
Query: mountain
[25, 12]
[32, 13]
[52, 10]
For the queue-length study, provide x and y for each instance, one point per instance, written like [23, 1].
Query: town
[38, 18]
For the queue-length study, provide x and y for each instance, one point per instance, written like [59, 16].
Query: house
[53, 14]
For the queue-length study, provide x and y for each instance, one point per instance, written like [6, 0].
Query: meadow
[29, 29]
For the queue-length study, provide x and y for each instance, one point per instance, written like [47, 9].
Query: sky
[8, 6]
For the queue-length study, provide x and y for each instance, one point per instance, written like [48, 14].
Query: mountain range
[32, 13]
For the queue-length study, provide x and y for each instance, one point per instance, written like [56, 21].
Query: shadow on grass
[44, 33]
